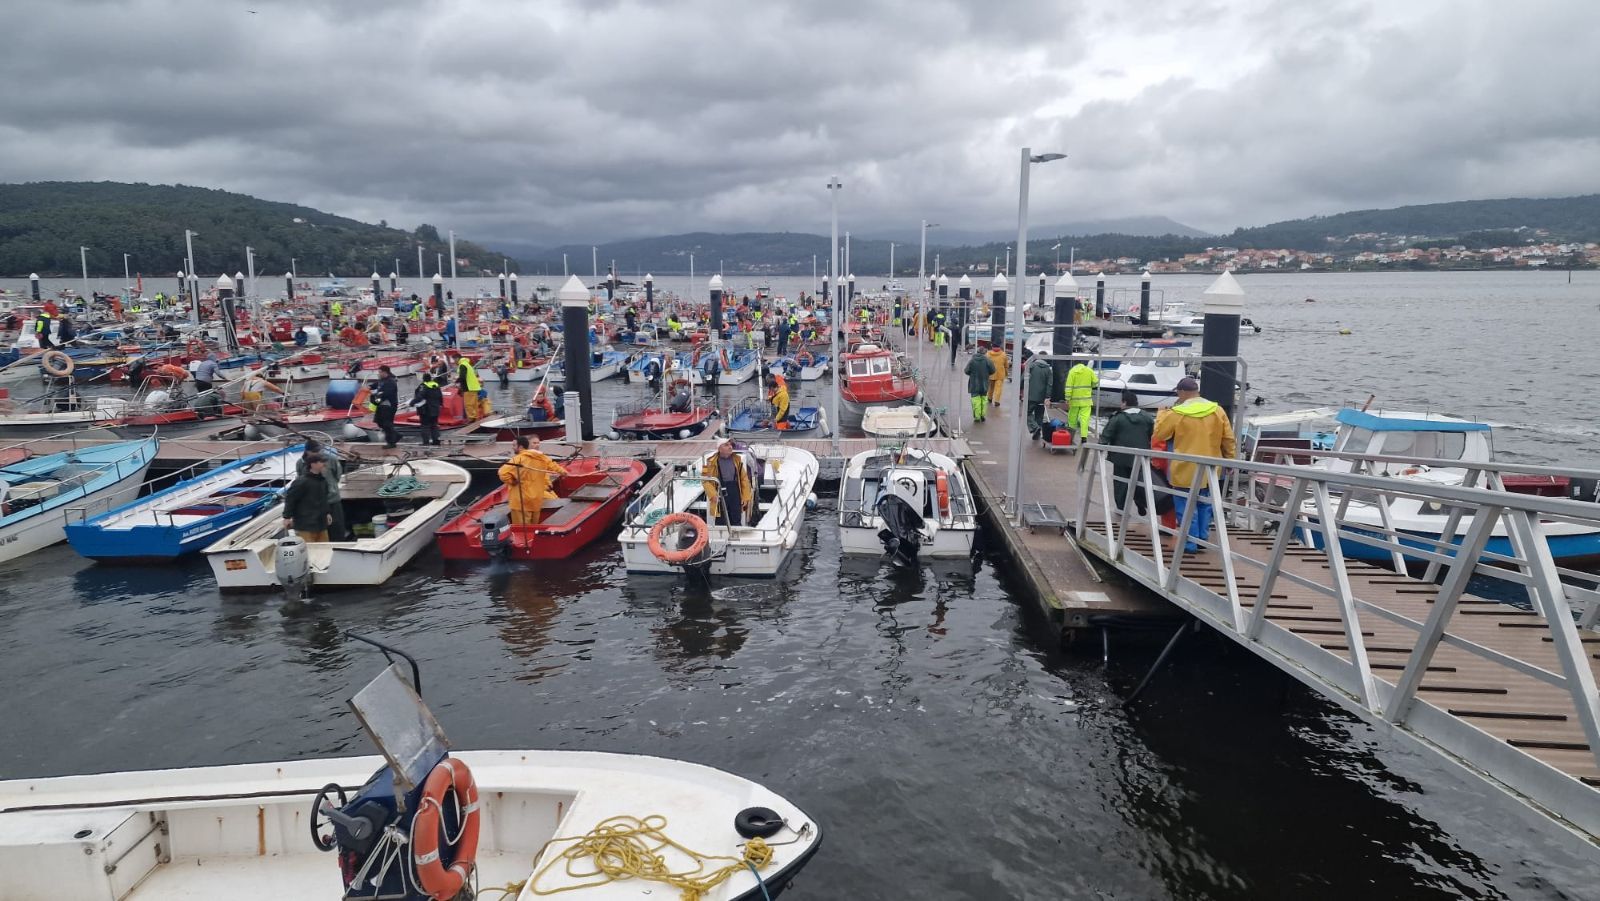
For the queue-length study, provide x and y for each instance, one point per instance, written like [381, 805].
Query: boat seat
[34, 491]
[363, 487]
[561, 514]
[592, 493]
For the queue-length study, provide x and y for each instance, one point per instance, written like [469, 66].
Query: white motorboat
[1294, 438]
[898, 422]
[412, 498]
[257, 831]
[906, 502]
[1153, 373]
[40, 495]
[1196, 325]
[666, 528]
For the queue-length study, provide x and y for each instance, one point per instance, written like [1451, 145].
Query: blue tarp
[1374, 423]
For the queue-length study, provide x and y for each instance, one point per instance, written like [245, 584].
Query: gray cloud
[567, 120]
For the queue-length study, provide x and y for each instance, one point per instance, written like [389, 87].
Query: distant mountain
[42, 225]
[1565, 218]
[1140, 226]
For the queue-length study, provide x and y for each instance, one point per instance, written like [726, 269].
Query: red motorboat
[591, 498]
[453, 415]
[871, 378]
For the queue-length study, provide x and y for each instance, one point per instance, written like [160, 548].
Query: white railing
[1311, 506]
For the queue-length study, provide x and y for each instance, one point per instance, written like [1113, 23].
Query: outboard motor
[1584, 490]
[495, 532]
[902, 531]
[293, 566]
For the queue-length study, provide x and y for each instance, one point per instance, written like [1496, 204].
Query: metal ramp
[1419, 642]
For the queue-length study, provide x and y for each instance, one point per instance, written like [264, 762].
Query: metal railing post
[1344, 595]
[1444, 607]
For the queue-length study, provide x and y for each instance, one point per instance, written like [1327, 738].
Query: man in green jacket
[1039, 376]
[1128, 427]
[978, 370]
[332, 473]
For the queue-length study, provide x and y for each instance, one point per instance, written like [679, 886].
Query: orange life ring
[680, 383]
[56, 363]
[692, 552]
[440, 883]
[942, 483]
[804, 358]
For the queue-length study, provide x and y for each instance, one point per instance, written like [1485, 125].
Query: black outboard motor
[902, 531]
[495, 532]
[1584, 490]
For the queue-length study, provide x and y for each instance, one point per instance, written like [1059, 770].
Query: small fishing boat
[1294, 439]
[726, 367]
[603, 364]
[752, 417]
[668, 529]
[56, 413]
[673, 414]
[898, 422]
[186, 517]
[802, 367]
[419, 821]
[342, 405]
[589, 500]
[40, 495]
[908, 503]
[302, 367]
[405, 501]
[870, 377]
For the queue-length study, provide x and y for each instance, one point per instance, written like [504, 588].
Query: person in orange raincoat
[527, 476]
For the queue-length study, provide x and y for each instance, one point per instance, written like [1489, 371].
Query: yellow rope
[627, 847]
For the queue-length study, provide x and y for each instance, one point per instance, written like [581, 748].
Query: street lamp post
[194, 294]
[1014, 476]
[126, 277]
[834, 286]
[83, 257]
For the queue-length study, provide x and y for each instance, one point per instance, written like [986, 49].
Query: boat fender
[942, 482]
[699, 538]
[811, 501]
[441, 884]
[57, 363]
[757, 822]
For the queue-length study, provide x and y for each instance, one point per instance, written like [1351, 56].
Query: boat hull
[25, 535]
[555, 538]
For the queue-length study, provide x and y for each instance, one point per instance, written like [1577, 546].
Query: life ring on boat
[57, 363]
[680, 383]
[942, 485]
[685, 555]
[804, 358]
[452, 777]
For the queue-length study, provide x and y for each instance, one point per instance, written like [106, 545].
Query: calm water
[949, 751]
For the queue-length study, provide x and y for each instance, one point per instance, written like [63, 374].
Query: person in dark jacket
[332, 473]
[1039, 376]
[1128, 427]
[305, 503]
[386, 395]
[428, 401]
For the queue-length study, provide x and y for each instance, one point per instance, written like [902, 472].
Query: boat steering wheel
[908, 483]
[324, 843]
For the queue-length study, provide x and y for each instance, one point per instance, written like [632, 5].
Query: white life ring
[57, 363]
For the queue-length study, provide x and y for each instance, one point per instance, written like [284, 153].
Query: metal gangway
[1474, 646]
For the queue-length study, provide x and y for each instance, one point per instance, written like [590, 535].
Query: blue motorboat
[802, 367]
[38, 495]
[190, 515]
[753, 416]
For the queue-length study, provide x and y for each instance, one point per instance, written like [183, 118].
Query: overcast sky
[550, 121]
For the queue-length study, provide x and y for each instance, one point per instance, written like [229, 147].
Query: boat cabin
[1417, 436]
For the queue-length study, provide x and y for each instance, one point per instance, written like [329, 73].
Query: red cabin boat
[870, 378]
[591, 498]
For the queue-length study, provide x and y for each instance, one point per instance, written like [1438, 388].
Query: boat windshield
[1425, 445]
[870, 366]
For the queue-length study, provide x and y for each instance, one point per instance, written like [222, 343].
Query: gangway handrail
[1313, 514]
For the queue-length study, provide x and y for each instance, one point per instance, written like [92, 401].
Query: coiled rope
[399, 486]
[627, 847]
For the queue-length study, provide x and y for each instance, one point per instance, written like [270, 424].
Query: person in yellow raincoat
[778, 396]
[725, 475]
[527, 477]
[1081, 383]
[469, 384]
[997, 382]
